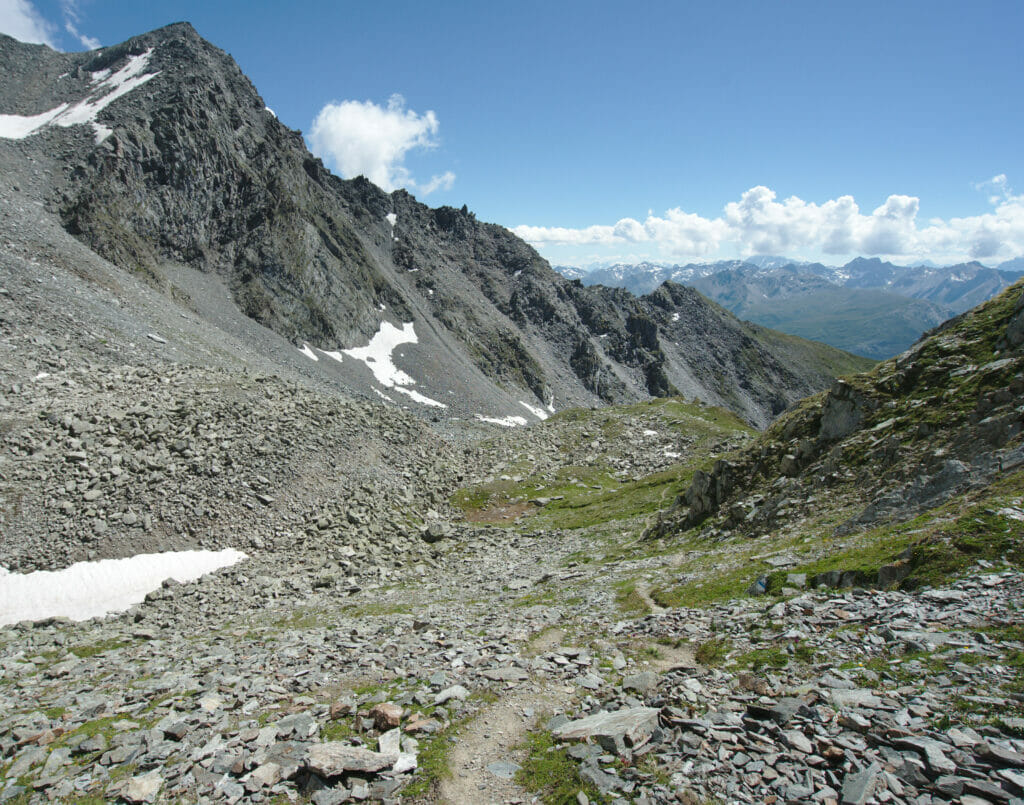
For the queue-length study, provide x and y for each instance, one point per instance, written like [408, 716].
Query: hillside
[939, 421]
[160, 156]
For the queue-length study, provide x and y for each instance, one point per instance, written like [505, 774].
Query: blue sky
[670, 131]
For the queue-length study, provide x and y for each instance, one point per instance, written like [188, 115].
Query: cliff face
[184, 165]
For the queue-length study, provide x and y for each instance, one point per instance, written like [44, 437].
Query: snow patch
[308, 352]
[391, 218]
[382, 395]
[18, 127]
[675, 317]
[650, 433]
[540, 413]
[268, 109]
[377, 354]
[377, 357]
[101, 133]
[505, 422]
[108, 88]
[335, 355]
[420, 398]
[93, 589]
[670, 454]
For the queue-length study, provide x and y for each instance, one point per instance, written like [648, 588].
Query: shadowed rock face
[196, 171]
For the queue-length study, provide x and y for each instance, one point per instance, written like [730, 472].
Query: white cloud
[442, 182]
[88, 42]
[758, 223]
[19, 18]
[362, 138]
[72, 19]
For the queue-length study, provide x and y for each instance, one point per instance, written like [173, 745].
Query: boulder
[334, 758]
[634, 725]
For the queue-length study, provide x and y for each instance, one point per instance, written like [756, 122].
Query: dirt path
[491, 738]
[496, 735]
[643, 593]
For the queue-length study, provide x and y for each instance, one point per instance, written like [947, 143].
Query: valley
[507, 539]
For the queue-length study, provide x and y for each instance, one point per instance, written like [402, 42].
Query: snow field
[93, 589]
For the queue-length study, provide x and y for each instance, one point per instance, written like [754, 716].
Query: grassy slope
[587, 489]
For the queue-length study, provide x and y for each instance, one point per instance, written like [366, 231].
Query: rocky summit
[210, 342]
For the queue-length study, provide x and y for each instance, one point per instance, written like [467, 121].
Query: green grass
[432, 763]
[301, 618]
[774, 657]
[551, 773]
[587, 493]
[338, 730]
[713, 651]
[943, 543]
[628, 599]
[92, 649]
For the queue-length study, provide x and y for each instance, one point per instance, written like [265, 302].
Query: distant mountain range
[868, 306]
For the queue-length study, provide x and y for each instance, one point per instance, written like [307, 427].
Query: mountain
[868, 306]
[159, 155]
[863, 321]
[570, 272]
[957, 287]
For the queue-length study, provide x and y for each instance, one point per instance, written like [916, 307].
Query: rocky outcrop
[887, 438]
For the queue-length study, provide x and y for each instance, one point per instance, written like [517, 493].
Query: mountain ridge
[867, 306]
[191, 169]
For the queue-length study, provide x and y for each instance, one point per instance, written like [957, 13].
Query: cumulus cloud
[19, 18]
[759, 223]
[361, 138]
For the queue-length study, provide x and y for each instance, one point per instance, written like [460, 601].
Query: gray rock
[333, 759]
[634, 724]
[453, 692]
[503, 769]
[934, 753]
[859, 787]
[510, 674]
[644, 682]
[143, 788]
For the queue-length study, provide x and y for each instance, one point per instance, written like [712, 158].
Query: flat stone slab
[934, 752]
[503, 769]
[510, 674]
[635, 723]
[143, 788]
[334, 758]
[858, 697]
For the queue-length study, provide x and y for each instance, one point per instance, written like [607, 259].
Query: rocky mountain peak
[164, 158]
